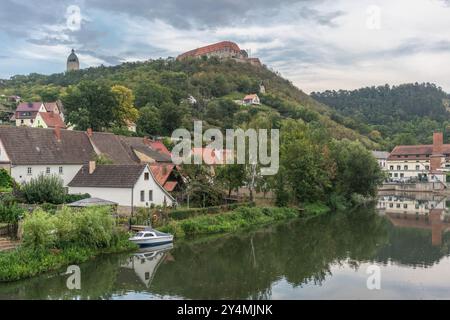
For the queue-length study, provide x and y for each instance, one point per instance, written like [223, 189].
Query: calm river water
[328, 257]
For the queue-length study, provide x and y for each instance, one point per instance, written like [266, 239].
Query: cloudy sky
[321, 44]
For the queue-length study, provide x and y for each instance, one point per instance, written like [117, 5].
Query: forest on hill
[392, 115]
[161, 87]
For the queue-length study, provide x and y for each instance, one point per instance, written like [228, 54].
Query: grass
[25, 263]
[228, 222]
[316, 208]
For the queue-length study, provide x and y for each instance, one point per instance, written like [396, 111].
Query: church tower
[73, 63]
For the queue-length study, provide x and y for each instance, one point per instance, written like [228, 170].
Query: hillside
[212, 82]
[404, 114]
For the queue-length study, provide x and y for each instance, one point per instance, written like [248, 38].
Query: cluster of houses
[139, 172]
[418, 163]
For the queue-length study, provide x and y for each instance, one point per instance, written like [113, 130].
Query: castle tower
[73, 63]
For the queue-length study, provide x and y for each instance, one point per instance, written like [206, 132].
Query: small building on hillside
[251, 99]
[39, 115]
[130, 186]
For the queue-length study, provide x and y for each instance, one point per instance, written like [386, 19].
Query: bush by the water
[182, 214]
[44, 189]
[239, 218]
[51, 241]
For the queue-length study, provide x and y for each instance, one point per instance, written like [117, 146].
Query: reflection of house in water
[414, 210]
[147, 262]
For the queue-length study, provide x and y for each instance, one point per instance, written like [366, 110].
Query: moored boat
[151, 237]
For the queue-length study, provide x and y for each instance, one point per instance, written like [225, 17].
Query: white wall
[20, 173]
[122, 196]
[3, 155]
[146, 185]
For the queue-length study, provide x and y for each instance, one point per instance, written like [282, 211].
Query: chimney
[57, 132]
[89, 132]
[438, 141]
[91, 167]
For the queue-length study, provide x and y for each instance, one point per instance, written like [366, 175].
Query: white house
[251, 99]
[382, 157]
[28, 152]
[129, 186]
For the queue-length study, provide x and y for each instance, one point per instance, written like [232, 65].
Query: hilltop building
[73, 64]
[221, 50]
[39, 115]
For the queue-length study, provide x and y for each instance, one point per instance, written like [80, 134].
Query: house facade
[420, 162]
[39, 115]
[251, 99]
[382, 157]
[129, 186]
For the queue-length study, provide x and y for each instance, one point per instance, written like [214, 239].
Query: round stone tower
[73, 63]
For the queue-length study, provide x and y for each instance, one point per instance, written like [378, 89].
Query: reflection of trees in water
[246, 265]
[98, 278]
[300, 251]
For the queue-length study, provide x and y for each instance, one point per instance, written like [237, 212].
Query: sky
[318, 45]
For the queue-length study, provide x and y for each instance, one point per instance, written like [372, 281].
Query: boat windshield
[140, 234]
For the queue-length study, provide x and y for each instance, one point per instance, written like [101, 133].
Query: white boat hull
[155, 241]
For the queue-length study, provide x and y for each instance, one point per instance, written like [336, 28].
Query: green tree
[124, 111]
[231, 176]
[90, 105]
[44, 189]
[149, 121]
[171, 118]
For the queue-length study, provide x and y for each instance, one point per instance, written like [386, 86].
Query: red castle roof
[211, 48]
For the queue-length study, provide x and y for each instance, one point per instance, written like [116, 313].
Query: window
[60, 170]
[398, 205]
[405, 206]
[399, 167]
[401, 175]
[417, 167]
[142, 196]
[396, 174]
[146, 176]
[150, 195]
[391, 205]
[391, 167]
[427, 167]
[47, 170]
[29, 171]
[405, 167]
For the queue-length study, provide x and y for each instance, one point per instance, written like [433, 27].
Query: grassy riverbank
[52, 241]
[228, 222]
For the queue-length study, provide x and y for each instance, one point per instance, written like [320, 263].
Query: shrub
[38, 230]
[10, 213]
[44, 189]
[5, 179]
[182, 214]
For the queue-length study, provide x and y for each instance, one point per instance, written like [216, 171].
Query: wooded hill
[164, 85]
[404, 114]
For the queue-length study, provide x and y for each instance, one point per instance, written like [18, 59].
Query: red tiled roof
[52, 120]
[211, 48]
[161, 172]
[28, 106]
[250, 97]
[211, 156]
[170, 185]
[158, 146]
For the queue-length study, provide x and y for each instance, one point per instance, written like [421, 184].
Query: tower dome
[73, 63]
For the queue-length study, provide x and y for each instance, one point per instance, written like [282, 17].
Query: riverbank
[52, 241]
[25, 263]
[235, 220]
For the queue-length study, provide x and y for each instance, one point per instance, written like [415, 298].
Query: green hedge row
[193, 212]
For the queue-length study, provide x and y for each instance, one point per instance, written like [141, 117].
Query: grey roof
[108, 176]
[91, 202]
[380, 154]
[26, 146]
[138, 144]
[111, 146]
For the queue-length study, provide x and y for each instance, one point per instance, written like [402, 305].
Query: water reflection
[325, 257]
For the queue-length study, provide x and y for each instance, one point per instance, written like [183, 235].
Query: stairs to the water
[7, 244]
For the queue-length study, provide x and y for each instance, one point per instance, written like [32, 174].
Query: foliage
[231, 176]
[69, 198]
[44, 189]
[10, 213]
[102, 159]
[149, 121]
[5, 179]
[181, 214]
[124, 111]
[239, 218]
[38, 230]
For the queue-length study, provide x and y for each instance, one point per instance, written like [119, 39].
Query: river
[395, 249]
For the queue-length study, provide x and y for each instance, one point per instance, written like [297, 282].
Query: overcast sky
[317, 44]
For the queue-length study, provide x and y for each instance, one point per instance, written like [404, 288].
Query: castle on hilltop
[222, 50]
[73, 64]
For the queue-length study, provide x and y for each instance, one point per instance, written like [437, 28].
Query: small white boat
[151, 237]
